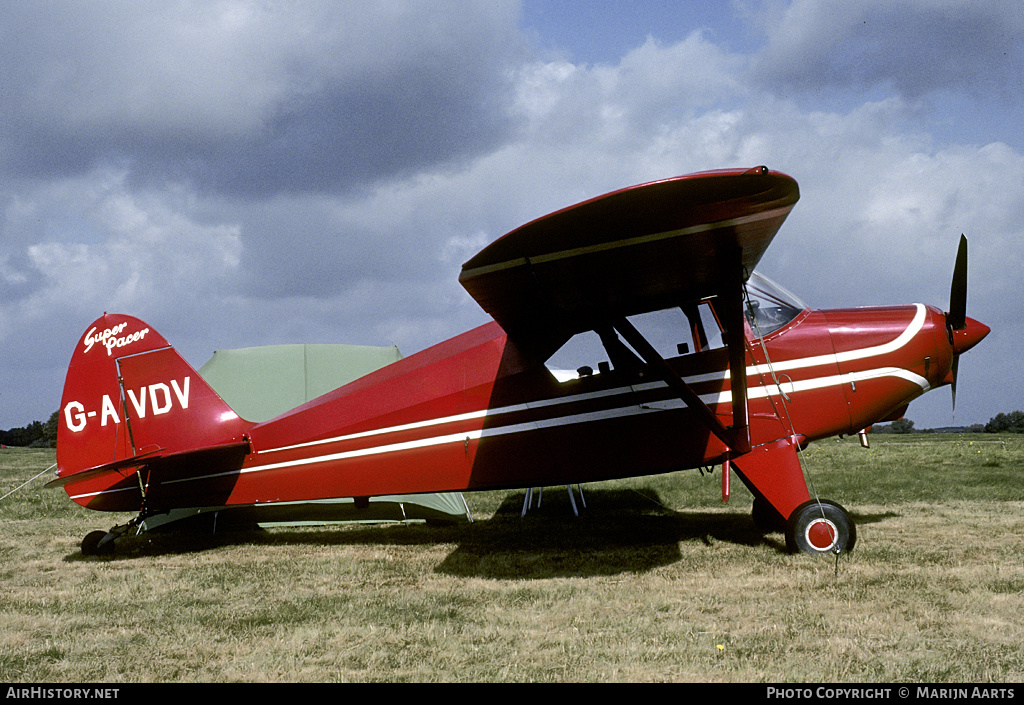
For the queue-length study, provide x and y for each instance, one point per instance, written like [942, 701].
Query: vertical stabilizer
[128, 393]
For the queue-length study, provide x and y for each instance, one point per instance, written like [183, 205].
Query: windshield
[769, 306]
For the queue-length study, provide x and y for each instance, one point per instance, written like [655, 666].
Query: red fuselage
[475, 413]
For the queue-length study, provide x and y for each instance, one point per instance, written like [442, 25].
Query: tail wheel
[820, 527]
[92, 546]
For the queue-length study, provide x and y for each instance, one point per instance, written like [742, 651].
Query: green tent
[264, 382]
[261, 383]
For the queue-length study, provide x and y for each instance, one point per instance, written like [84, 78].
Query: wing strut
[736, 436]
[731, 298]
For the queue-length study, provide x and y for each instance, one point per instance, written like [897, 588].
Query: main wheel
[821, 527]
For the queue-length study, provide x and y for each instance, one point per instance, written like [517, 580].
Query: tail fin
[128, 393]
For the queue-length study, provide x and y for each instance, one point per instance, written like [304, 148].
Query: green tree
[902, 426]
[1006, 423]
[50, 430]
[36, 434]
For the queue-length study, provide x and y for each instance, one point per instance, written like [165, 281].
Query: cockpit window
[672, 332]
[690, 329]
[769, 306]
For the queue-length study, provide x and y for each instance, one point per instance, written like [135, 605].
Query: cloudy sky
[243, 173]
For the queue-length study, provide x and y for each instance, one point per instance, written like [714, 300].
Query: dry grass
[655, 582]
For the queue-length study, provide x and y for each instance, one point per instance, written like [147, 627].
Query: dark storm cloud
[353, 135]
[251, 99]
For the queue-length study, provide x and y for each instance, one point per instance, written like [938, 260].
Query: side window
[582, 355]
[667, 331]
[709, 327]
[680, 331]
[672, 332]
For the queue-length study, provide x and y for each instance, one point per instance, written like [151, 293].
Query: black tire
[767, 518]
[820, 528]
[91, 544]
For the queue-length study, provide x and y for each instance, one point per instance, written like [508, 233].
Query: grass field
[656, 581]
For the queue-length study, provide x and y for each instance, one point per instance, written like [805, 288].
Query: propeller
[964, 333]
[956, 319]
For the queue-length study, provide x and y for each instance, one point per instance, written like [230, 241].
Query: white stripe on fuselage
[629, 409]
[754, 393]
[850, 355]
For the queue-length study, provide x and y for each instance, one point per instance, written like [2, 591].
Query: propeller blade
[956, 364]
[956, 319]
[957, 316]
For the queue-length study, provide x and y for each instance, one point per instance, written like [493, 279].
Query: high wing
[634, 250]
[648, 247]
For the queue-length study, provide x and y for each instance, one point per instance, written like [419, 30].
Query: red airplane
[749, 377]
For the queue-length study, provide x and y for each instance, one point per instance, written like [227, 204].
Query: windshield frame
[769, 307]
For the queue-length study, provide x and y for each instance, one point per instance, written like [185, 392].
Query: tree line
[1012, 422]
[36, 435]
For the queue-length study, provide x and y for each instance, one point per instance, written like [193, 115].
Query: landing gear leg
[773, 474]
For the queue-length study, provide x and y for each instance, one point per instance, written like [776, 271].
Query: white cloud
[125, 250]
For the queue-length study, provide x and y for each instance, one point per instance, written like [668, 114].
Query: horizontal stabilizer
[156, 458]
[89, 473]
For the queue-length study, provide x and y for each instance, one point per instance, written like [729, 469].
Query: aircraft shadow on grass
[617, 531]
